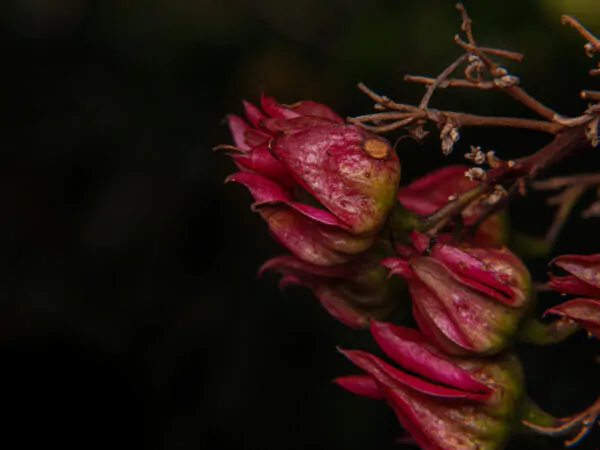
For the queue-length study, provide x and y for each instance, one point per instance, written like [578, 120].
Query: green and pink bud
[583, 281]
[443, 402]
[324, 187]
[466, 300]
[353, 293]
[429, 193]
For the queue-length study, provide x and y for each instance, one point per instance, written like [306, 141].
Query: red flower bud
[449, 403]
[584, 279]
[427, 194]
[353, 293]
[465, 300]
[324, 187]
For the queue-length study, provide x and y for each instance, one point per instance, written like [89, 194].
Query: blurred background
[131, 315]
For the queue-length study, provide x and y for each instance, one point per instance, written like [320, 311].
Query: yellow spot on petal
[377, 148]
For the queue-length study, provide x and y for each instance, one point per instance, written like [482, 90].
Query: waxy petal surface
[411, 350]
[393, 378]
[584, 267]
[260, 160]
[471, 319]
[570, 284]
[363, 385]
[584, 311]
[335, 163]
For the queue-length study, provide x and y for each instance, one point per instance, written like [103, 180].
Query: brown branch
[565, 144]
[587, 35]
[440, 218]
[587, 179]
[578, 425]
[466, 23]
[441, 77]
[505, 53]
[451, 82]
[385, 101]
[463, 119]
[497, 72]
[589, 95]
[521, 96]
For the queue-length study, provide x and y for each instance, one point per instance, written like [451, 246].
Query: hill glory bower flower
[467, 300]
[324, 187]
[444, 402]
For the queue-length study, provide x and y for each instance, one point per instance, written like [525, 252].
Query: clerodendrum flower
[466, 300]
[324, 187]
[449, 403]
[583, 280]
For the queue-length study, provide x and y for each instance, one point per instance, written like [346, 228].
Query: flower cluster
[329, 192]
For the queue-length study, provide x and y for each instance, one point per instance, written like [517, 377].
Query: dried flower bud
[475, 173]
[498, 194]
[476, 155]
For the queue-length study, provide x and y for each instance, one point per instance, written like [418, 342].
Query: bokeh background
[131, 315]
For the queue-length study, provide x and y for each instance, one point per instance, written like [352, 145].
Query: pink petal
[411, 350]
[397, 267]
[266, 191]
[253, 114]
[570, 284]
[410, 419]
[468, 317]
[260, 160]
[392, 378]
[584, 311]
[289, 264]
[584, 267]
[427, 194]
[310, 108]
[468, 268]
[275, 109]
[363, 385]
[275, 126]
[244, 136]
[238, 128]
[330, 162]
[309, 233]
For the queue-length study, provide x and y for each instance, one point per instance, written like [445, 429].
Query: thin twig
[566, 201]
[506, 53]
[441, 77]
[587, 179]
[451, 82]
[464, 119]
[466, 23]
[593, 40]
[385, 101]
[578, 424]
[590, 95]
[440, 218]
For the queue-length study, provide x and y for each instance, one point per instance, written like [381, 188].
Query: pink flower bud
[449, 402]
[427, 194]
[353, 293]
[465, 300]
[324, 187]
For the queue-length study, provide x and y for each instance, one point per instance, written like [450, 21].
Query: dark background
[131, 315]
